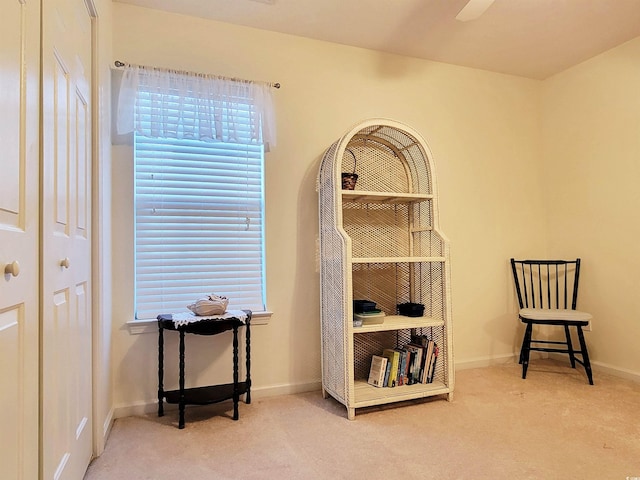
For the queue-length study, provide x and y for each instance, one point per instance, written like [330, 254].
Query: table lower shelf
[205, 395]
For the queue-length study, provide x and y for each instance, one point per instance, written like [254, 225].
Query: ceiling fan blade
[473, 10]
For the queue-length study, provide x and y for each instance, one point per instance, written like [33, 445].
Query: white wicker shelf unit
[381, 242]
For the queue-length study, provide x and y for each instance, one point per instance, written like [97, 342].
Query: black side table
[209, 394]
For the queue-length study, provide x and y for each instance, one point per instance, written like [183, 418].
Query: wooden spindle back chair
[548, 293]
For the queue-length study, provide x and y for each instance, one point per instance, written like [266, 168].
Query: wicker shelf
[362, 196]
[396, 259]
[398, 322]
[368, 395]
[372, 245]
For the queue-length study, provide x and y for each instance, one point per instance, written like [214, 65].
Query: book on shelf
[416, 362]
[432, 366]
[407, 367]
[402, 367]
[393, 357]
[386, 374]
[428, 360]
[408, 371]
[377, 371]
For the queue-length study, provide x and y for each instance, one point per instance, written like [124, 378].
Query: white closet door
[19, 67]
[66, 252]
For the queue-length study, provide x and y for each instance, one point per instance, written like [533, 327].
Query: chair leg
[526, 349]
[524, 342]
[572, 357]
[524, 338]
[585, 354]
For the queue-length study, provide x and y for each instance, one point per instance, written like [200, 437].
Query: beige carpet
[553, 425]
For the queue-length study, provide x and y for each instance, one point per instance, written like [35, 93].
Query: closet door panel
[10, 84]
[61, 155]
[19, 165]
[10, 333]
[66, 252]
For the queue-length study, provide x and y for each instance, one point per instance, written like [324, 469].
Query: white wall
[591, 158]
[484, 131]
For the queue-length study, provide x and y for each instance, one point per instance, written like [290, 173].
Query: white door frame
[101, 259]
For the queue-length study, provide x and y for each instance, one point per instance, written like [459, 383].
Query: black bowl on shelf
[410, 309]
[362, 306]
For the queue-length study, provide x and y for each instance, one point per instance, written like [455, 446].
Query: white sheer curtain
[194, 106]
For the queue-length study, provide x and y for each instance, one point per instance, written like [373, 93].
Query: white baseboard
[108, 423]
[604, 368]
[615, 371]
[286, 389]
[511, 358]
[485, 361]
[151, 406]
[136, 409]
[101, 435]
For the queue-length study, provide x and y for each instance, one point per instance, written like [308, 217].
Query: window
[199, 210]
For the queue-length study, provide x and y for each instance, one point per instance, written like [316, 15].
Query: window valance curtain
[194, 106]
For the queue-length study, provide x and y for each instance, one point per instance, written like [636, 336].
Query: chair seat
[550, 314]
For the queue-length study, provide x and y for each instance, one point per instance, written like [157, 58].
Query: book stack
[411, 364]
[369, 318]
[366, 313]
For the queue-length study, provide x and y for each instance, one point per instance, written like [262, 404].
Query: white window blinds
[198, 214]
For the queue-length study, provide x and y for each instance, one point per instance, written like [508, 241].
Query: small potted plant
[349, 179]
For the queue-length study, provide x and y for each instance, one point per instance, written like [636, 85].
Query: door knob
[12, 268]
[65, 262]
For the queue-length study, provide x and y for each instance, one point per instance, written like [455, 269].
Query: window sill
[150, 325]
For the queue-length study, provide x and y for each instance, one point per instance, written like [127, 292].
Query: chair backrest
[546, 283]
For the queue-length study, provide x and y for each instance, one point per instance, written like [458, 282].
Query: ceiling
[529, 38]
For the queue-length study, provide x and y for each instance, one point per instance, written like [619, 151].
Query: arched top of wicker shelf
[387, 156]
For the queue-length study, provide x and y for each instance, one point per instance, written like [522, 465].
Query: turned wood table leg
[236, 390]
[247, 397]
[160, 371]
[181, 403]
